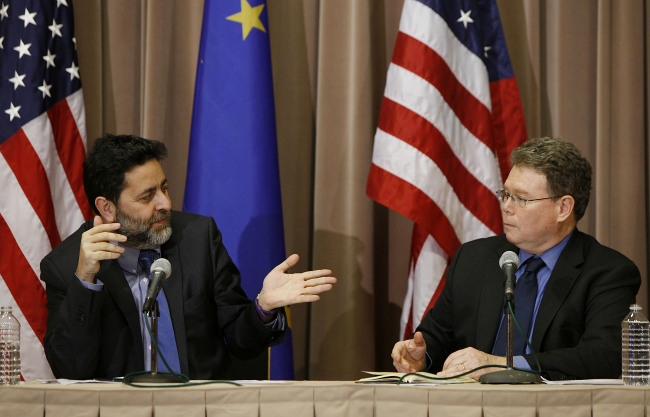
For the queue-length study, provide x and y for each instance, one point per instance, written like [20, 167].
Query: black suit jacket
[97, 334]
[577, 331]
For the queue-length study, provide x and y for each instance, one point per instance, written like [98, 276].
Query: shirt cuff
[97, 286]
[266, 316]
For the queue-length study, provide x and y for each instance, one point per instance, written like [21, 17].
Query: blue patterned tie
[166, 339]
[525, 297]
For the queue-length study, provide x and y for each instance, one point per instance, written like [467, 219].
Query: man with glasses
[579, 291]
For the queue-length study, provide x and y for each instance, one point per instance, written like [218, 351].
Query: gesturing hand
[96, 246]
[409, 355]
[281, 289]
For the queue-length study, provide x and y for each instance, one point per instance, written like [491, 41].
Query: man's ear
[566, 205]
[106, 209]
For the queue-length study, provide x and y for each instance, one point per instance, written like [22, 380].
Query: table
[323, 399]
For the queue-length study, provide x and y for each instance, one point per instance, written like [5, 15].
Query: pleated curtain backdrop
[581, 70]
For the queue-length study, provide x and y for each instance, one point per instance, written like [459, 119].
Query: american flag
[42, 148]
[450, 116]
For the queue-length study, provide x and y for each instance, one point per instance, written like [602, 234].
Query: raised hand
[96, 246]
[281, 289]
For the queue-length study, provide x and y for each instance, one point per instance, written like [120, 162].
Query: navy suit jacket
[94, 334]
[577, 333]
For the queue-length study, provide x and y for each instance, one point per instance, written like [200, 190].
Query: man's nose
[507, 205]
[163, 202]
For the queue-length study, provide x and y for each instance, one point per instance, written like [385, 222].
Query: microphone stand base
[158, 378]
[510, 376]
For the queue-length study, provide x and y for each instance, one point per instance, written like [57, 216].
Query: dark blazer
[97, 334]
[577, 333]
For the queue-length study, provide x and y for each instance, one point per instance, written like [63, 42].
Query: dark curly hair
[110, 158]
[567, 172]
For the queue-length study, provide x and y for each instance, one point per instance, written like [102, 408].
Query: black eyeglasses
[503, 195]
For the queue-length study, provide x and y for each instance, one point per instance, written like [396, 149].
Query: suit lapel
[115, 283]
[492, 296]
[559, 285]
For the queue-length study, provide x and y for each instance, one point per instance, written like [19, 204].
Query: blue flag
[233, 173]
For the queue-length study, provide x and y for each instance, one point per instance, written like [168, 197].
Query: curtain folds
[582, 71]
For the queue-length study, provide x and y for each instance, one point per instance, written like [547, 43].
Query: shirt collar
[128, 261]
[549, 257]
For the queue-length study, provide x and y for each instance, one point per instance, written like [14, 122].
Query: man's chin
[162, 234]
[511, 237]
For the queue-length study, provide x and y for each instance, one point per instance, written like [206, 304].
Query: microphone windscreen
[162, 265]
[509, 257]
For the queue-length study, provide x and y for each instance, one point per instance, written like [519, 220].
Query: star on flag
[249, 17]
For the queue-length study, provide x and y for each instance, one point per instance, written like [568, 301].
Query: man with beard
[97, 279]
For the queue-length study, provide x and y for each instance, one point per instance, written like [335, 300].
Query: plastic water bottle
[9, 348]
[636, 344]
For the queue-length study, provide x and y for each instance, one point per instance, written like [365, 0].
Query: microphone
[161, 269]
[509, 262]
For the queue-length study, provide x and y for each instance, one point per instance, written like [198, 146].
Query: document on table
[419, 378]
[584, 382]
[119, 380]
[63, 381]
[262, 382]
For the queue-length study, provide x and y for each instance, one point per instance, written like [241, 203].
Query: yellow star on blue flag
[249, 17]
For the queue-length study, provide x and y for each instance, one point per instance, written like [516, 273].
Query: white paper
[585, 382]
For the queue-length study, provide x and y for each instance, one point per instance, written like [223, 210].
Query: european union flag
[232, 172]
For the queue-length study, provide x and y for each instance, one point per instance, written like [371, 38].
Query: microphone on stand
[509, 262]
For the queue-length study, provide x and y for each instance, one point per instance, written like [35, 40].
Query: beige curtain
[580, 66]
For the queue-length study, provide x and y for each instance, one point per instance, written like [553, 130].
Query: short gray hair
[566, 170]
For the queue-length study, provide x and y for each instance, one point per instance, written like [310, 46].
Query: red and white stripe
[435, 157]
[43, 202]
